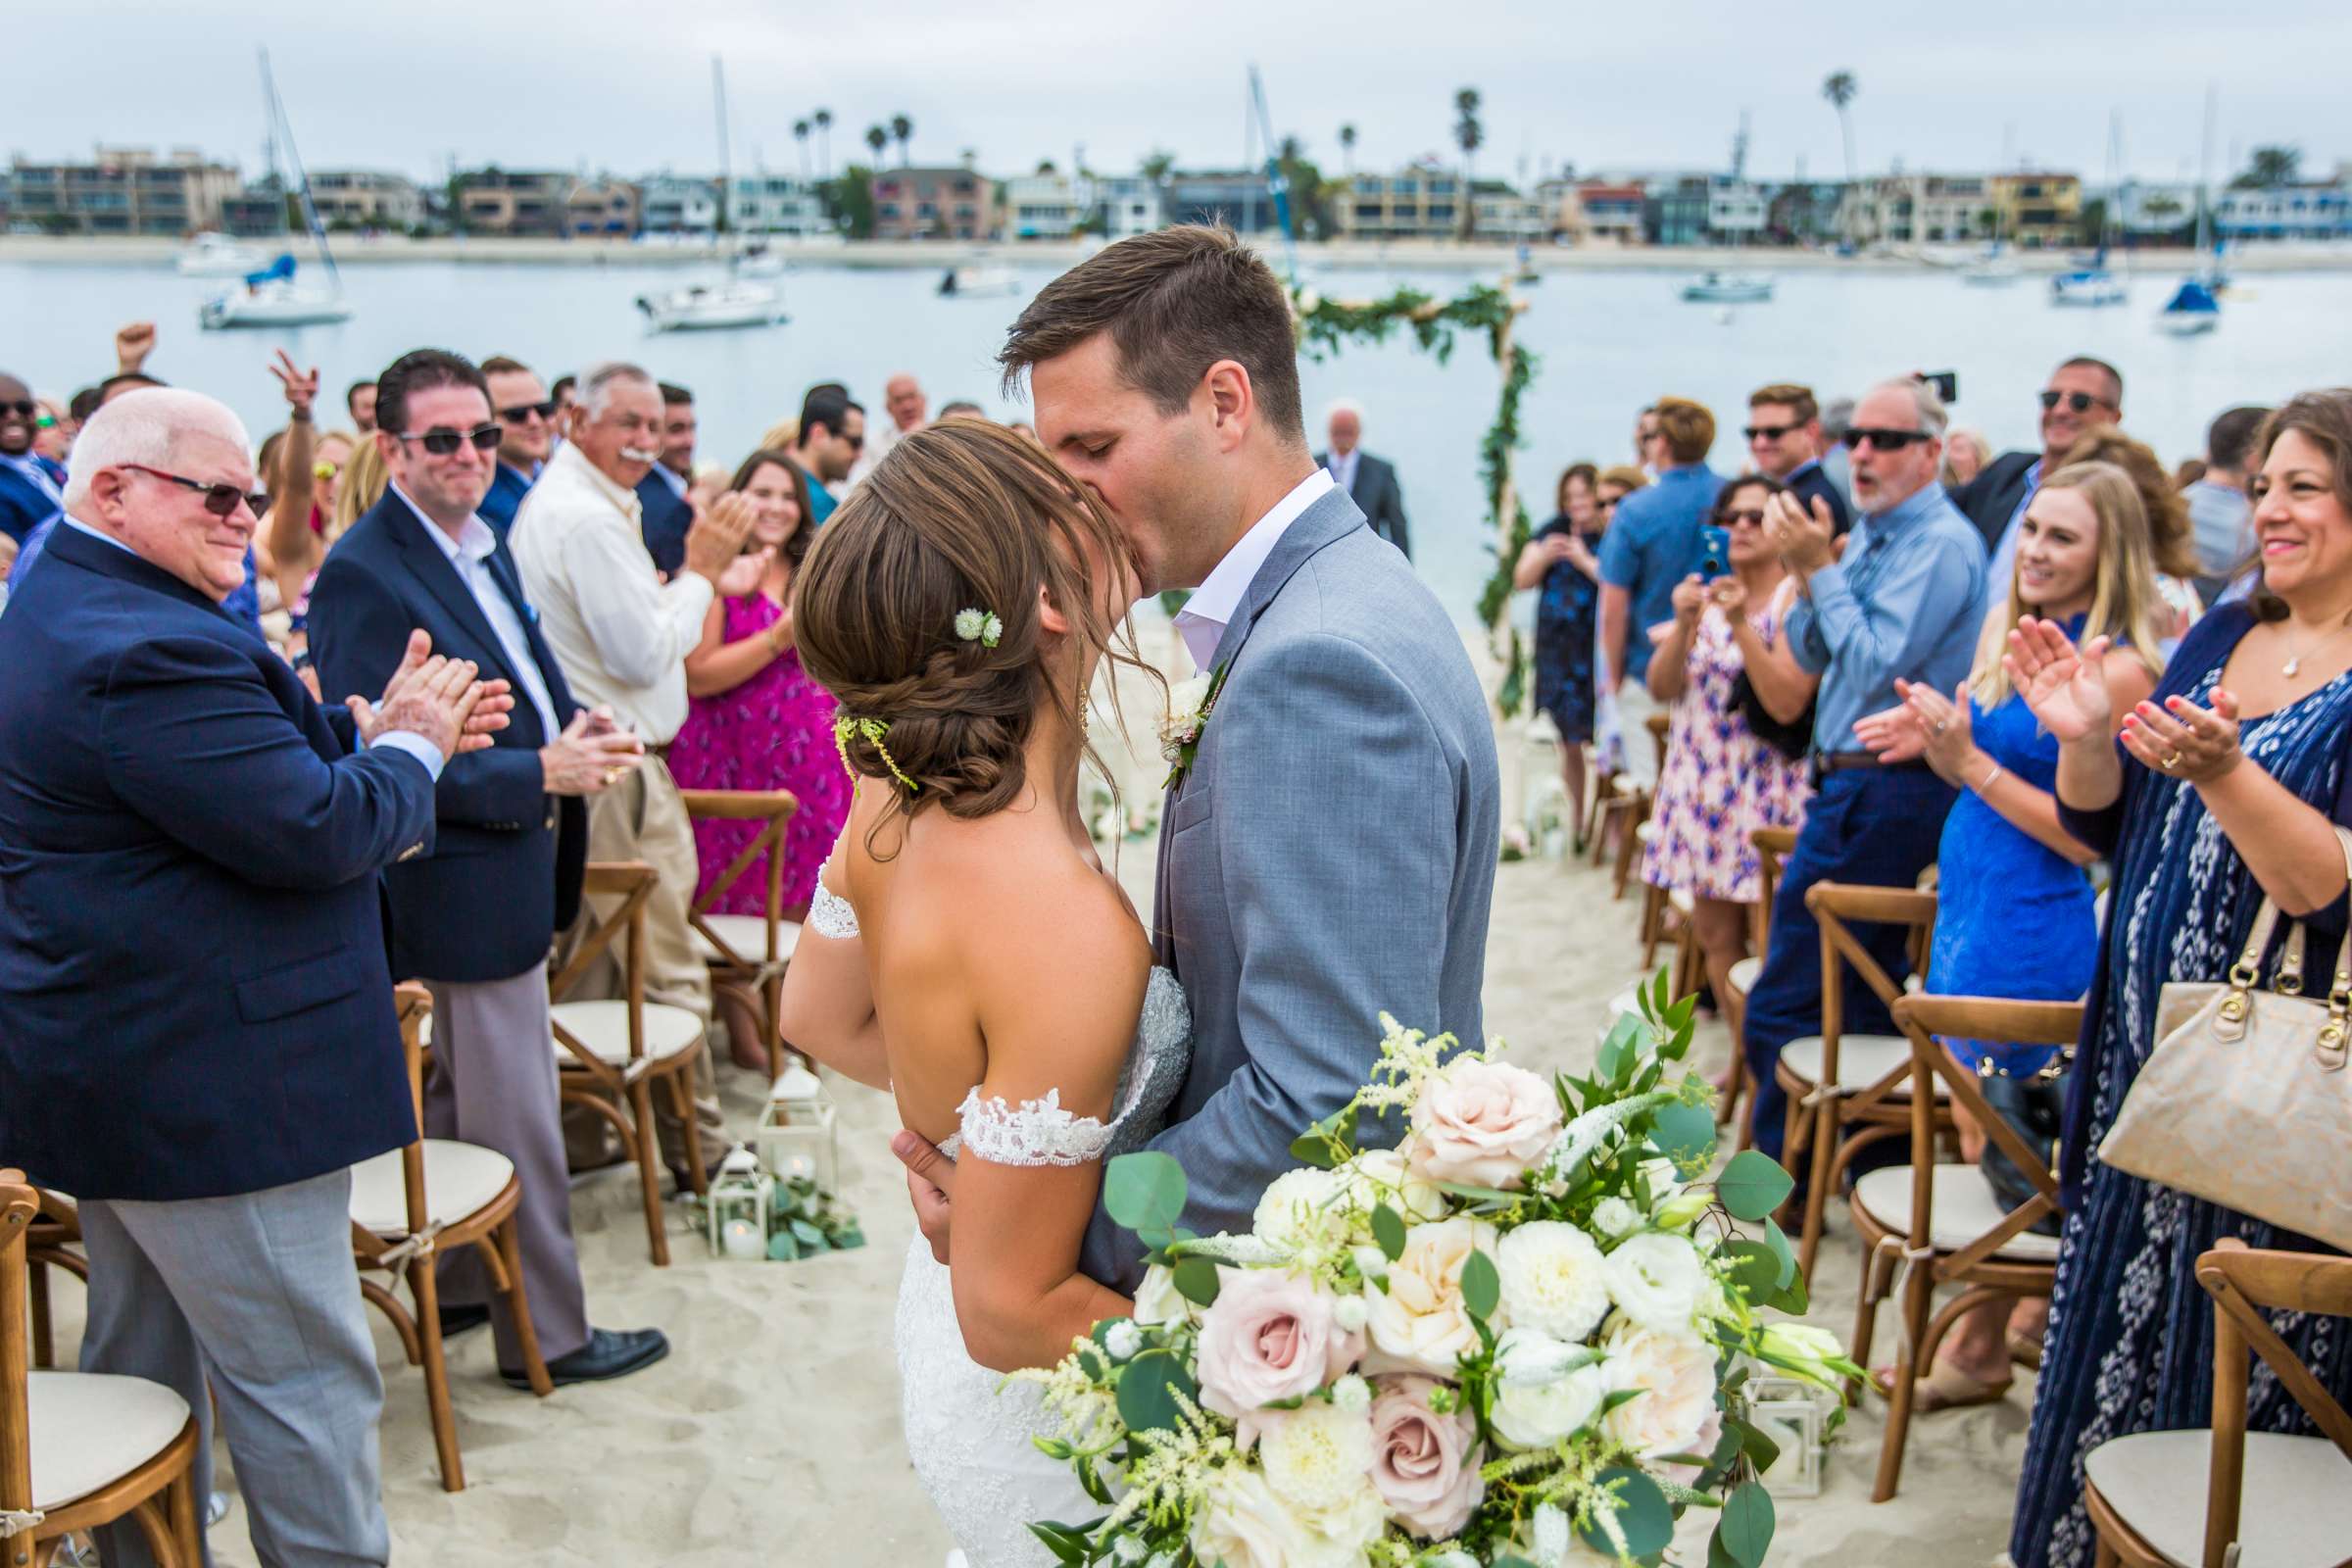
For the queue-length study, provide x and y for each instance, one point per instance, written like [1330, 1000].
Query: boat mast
[302, 179]
[2205, 184]
[1277, 182]
[718, 98]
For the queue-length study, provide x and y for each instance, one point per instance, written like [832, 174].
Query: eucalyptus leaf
[1778, 1240]
[1643, 1515]
[1753, 1268]
[1148, 1389]
[1686, 1134]
[1751, 1186]
[1747, 1526]
[1196, 1281]
[1144, 1190]
[1481, 1286]
[1761, 1450]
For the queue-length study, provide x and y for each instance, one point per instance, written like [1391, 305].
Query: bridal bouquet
[1520, 1338]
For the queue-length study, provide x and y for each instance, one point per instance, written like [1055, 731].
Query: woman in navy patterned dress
[1563, 559]
[2225, 787]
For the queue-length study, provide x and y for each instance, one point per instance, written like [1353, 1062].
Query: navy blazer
[1378, 496]
[507, 487]
[664, 517]
[23, 505]
[193, 996]
[1992, 498]
[504, 875]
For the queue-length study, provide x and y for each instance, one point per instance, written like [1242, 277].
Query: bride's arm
[1059, 1014]
[828, 1008]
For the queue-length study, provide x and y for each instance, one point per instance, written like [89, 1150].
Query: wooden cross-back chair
[409, 1206]
[49, 1243]
[2227, 1495]
[1951, 1227]
[81, 1450]
[748, 953]
[612, 1053]
[1838, 1081]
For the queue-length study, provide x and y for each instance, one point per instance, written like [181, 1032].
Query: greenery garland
[1325, 327]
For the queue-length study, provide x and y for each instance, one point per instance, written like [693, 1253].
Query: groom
[1330, 854]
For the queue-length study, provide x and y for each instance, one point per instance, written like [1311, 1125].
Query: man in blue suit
[475, 917]
[661, 495]
[32, 491]
[196, 1028]
[527, 416]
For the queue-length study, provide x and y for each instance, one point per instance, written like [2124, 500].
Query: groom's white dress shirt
[1202, 620]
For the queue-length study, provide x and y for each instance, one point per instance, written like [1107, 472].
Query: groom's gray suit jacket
[1329, 856]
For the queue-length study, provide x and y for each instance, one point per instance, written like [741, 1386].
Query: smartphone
[1946, 382]
[1714, 551]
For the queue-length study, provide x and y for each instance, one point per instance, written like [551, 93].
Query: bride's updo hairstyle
[964, 516]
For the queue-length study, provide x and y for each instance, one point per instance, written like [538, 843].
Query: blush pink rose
[1482, 1124]
[1422, 1463]
[1270, 1335]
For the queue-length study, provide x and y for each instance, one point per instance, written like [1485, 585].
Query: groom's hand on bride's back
[930, 1186]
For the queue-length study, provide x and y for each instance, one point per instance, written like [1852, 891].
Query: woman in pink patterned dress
[1721, 781]
[756, 720]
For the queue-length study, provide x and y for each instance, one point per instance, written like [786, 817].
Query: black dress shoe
[609, 1354]
[457, 1320]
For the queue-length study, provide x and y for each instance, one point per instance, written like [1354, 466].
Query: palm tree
[2271, 166]
[1347, 149]
[1157, 165]
[877, 138]
[1469, 135]
[800, 133]
[825, 141]
[901, 128]
[1839, 90]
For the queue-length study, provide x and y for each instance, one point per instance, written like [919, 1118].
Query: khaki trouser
[643, 817]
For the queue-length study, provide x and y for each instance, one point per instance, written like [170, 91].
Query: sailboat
[2195, 308]
[270, 297]
[2094, 286]
[745, 297]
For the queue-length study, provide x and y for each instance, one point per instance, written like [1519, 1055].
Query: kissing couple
[1327, 845]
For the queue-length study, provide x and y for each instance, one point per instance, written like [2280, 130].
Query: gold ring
[612, 775]
[2170, 762]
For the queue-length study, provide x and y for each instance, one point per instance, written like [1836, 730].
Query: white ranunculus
[1675, 1373]
[1243, 1524]
[1538, 1399]
[1379, 1176]
[1421, 1323]
[1659, 1282]
[1122, 1339]
[1614, 1217]
[1294, 1205]
[1553, 1279]
[1318, 1457]
[1158, 1300]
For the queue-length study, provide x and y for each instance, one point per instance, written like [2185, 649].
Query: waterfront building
[1046, 205]
[367, 198]
[2157, 209]
[1421, 201]
[513, 203]
[122, 190]
[2305, 209]
[953, 203]
[599, 209]
[1126, 205]
[1921, 209]
[1503, 213]
[677, 204]
[1236, 197]
[2037, 209]
[1612, 211]
[762, 202]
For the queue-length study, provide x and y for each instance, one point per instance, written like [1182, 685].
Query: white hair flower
[978, 626]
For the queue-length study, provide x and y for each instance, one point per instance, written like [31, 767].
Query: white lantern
[1794, 1414]
[797, 1137]
[737, 1207]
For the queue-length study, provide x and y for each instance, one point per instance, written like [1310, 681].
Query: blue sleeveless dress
[2130, 1337]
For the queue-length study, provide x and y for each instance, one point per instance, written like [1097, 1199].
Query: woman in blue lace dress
[1563, 560]
[2014, 909]
[2225, 788]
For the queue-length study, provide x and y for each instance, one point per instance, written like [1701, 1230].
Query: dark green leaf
[1481, 1287]
[1485, 1193]
[1313, 1149]
[1148, 1388]
[1065, 1542]
[1643, 1515]
[1761, 1450]
[1686, 1134]
[1196, 1281]
[1753, 1268]
[1615, 1398]
[1144, 1190]
[1751, 1186]
[1745, 1528]
[1778, 1240]
[1794, 1301]
[1388, 1228]
[1620, 1049]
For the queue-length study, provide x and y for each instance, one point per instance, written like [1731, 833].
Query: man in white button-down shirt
[622, 635]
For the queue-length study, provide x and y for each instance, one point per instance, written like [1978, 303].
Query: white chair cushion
[604, 1028]
[459, 1181]
[747, 934]
[91, 1428]
[1743, 978]
[1862, 1061]
[1962, 1208]
[1682, 900]
[1648, 830]
[2295, 1511]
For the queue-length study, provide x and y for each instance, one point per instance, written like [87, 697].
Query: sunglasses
[856, 442]
[324, 469]
[1771, 432]
[45, 421]
[521, 413]
[220, 500]
[2080, 402]
[1883, 440]
[1752, 518]
[441, 442]
[26, 410]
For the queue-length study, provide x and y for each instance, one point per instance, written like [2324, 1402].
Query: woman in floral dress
[1720, 781]
[756, 722]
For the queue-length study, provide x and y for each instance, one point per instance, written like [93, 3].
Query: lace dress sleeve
[1034, 1132]
[830, 914]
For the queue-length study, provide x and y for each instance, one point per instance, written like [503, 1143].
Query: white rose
[1553, 1279]
[1615, 1216]
[1243, 1524]
[1293, 1207]
[1158, 1300]
[1379, 1176]
[1537, 1401]
[1318, 1457]
[1420, 1324]
[1183, 721]
[1659, 1282]
[1676, 1413]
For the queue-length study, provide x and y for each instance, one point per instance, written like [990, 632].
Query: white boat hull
[1729, 291]
[2186, 323]
[710, 310]
[272, 310]
[712, 320]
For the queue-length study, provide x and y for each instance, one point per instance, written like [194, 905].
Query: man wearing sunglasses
[197, 1036]
[1784, 441]
[1905, 601]
[526, 415]
[831, 435]
[2080, 394]
[31, 488]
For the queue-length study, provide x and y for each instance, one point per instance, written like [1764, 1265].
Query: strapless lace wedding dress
[970, 1444]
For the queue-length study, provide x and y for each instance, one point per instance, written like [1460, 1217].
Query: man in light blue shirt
[1905, 601]
[1652, 544]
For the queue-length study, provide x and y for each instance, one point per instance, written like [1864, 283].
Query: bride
[967, 950]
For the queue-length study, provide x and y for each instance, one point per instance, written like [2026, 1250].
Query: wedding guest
[53, 432]
[358, 401]
[1645, 440]
[1837, 416]
[566, 391]
[1965, 454]
[961, 409]
[1370, 481]
[2014, 911]
[1783, 442]
[1652, 544]
[2080, 393]
[197, 1037]
[825, 447]
[1722, 781]
[32, 489]
[2223, 787]
[2170, 533]
[526, 414]
[1905, 601]
[2219, 513]
[909, 410]
[474, 917]
[667, 510]
[1561, 561]
[622, 635]
[1616, 484]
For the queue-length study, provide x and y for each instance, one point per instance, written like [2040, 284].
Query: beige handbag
[2245, 1101]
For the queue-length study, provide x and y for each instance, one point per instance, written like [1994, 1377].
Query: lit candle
[800, 1166]
[742, 1242]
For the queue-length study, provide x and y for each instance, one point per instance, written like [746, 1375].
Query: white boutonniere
[1189, 702]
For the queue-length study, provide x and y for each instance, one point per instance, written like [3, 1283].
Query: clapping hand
[1893, 735]
[1944, 723]
[2191, 743]
[301, 386]
[1805, 543]
[744, 572]
[431, 696]
[586, 760]
[2065, 688]
[714, 542]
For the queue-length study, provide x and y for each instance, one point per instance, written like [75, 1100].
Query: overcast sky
[626, 86]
